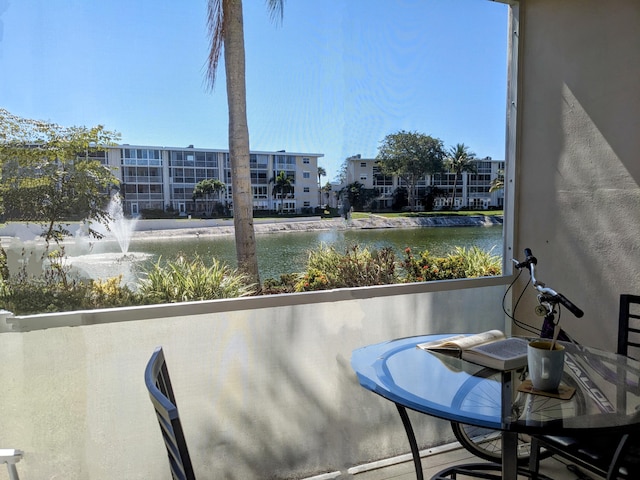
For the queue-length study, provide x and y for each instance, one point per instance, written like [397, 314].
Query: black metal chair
[610, 456]
[156, 377]
[11, 456]
[629, 326]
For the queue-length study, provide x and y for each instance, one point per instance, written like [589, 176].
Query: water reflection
[280, 253]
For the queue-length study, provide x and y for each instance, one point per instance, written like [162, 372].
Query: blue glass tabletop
[606, 388]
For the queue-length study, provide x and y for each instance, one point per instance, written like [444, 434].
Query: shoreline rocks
[146, 229]
[303, 225]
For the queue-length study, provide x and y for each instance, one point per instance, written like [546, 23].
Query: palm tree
[226, 30]
[498, 182]
[207, 188]
[327, 192]
[282, 185]
[458, 160]
[321, 173]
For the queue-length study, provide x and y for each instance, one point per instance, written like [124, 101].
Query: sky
[333, 77]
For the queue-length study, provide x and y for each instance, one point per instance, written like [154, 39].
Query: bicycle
[486, 443]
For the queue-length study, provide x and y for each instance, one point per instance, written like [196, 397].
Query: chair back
[156, 378]
[629, 326]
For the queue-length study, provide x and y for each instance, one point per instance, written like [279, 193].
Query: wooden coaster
[564, 392]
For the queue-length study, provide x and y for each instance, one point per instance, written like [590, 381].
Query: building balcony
[141, 179]
[136, 197]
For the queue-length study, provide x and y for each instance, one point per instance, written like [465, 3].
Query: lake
[280, 253]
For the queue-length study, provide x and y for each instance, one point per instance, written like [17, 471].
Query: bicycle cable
[524, 326]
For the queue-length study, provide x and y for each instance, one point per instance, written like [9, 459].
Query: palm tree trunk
[234, 61]
[455, 187]
[410, 190]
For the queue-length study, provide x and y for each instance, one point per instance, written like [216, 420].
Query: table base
[490, 471]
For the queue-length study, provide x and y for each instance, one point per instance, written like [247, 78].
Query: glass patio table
[606, 397]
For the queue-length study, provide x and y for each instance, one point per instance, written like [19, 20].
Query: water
[119, 227]
[280, 253]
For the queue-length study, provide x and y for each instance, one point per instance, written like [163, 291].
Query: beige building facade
[472, 189]
[161, 178]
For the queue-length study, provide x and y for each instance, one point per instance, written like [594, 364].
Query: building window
[306, 161]
[306, 190]
[306, 174]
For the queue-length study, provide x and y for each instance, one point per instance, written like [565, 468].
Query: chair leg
[617, 458]
[534, 456]
[11, 457]
[13, 471]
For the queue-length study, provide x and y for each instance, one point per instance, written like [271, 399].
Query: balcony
[264, 384]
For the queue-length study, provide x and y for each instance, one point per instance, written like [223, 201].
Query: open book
[490, 349]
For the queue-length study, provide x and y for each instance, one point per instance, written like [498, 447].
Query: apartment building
[471, 189]
[164, 177]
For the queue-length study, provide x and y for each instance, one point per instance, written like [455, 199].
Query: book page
[463, 342]
[507, 349]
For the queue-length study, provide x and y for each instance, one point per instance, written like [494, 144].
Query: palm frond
[215, 26]
[276, 9]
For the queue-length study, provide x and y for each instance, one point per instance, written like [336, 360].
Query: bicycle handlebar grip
[570, 306]
[529, 258]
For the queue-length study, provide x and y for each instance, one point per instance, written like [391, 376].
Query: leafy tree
[399, 198]
[282, 185]
[226, 30]
[430, 194]
[459, 159]
[498, 182]
[356, 196]
[208, 188]
[342, 173]
[50, 173]
[411, 156]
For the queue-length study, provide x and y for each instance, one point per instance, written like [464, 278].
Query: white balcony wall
[264, 384]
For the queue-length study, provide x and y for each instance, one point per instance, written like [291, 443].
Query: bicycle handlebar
[530, 262]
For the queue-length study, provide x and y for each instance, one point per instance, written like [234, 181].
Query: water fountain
[120, 227]
[101, 263]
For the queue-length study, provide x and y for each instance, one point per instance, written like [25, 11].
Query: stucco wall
[264, 385]
[578, 170]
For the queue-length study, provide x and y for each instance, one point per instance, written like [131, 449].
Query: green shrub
[286, 284]
[37, 295]
[54, 291]
[110, 293]
[57, 290]
[327, 268]
[462, 263]
[185, 280]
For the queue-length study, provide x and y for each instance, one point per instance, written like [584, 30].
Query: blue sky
[334, 77]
